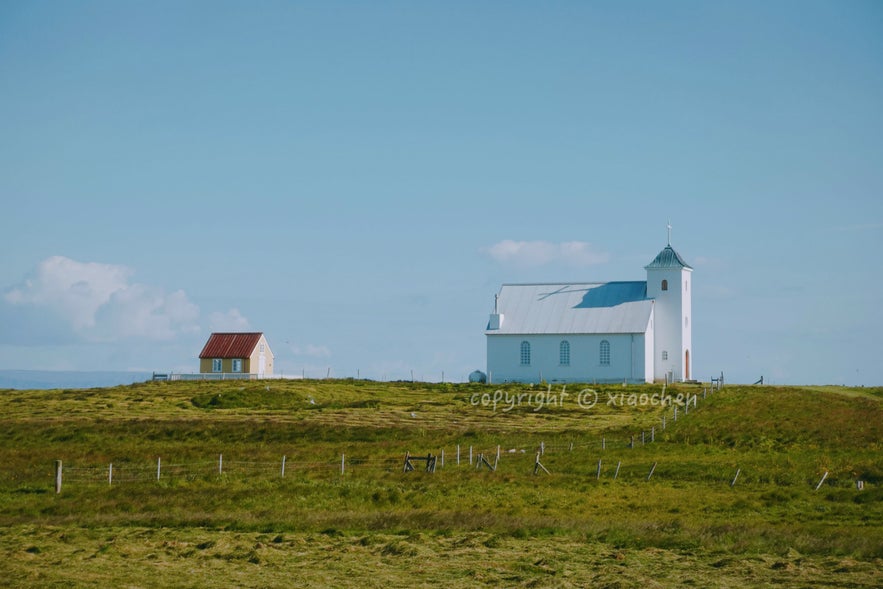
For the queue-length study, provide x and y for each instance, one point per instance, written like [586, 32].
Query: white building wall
[673, 324]
[628, 355]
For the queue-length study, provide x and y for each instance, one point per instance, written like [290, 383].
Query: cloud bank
[95, 302]
[541, 253]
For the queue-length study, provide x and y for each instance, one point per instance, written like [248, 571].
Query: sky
[356, 180]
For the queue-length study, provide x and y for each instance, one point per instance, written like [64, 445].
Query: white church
[595, 332]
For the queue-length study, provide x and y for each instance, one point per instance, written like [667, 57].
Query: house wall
[628, 354]
[254, 361]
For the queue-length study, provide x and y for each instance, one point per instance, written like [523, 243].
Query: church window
[525, 353]
[604, 353]
[564, 353]
[665, 285]
[665, 354]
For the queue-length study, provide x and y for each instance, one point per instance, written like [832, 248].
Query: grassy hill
[612, 511]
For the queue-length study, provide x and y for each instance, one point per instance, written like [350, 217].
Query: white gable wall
[628, 353]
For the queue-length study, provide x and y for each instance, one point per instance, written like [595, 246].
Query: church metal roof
[668, 258]
[608, 307]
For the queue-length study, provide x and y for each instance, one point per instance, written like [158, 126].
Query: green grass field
[244, 524]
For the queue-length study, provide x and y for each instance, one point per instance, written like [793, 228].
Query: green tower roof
[668, 258]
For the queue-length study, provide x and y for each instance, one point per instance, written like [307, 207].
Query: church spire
[669, 232]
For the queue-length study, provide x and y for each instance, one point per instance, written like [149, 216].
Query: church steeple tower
[668, 284]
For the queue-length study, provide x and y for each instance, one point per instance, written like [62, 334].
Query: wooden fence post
[443, 458]
[616, 474]
[158, 467]
[283, 466]
[342, 463]
[458, 454]
[603, 443]
[733, 483]
[57, 477]
[220, 464]
[470, 455]
[653, 433]
[110, 474]
[824, 476]
[598, 477]
[652, 468]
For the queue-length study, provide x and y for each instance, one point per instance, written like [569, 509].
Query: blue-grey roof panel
[609, 307]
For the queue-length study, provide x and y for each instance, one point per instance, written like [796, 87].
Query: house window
[665, 285]
[262, 348]
[564, 353]
[664, 355]
[525, 353]
[216, 365]
[605, 353]
[237, 365]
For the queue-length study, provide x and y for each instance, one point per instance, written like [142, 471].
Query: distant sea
[49, 379]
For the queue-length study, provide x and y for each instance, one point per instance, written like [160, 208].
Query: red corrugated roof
[230, 345]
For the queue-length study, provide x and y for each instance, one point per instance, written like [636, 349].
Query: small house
[237, 353]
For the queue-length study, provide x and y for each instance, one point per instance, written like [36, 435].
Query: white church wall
[628, 353]
[672, 320]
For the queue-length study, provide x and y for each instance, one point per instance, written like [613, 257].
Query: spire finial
[669, 232]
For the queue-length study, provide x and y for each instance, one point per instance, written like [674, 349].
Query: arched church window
[525, 353]
[564, 353]
[604, 353]
[665, 285]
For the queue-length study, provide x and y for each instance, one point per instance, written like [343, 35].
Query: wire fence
[525, 456]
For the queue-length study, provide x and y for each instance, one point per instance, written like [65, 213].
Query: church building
[595, 332]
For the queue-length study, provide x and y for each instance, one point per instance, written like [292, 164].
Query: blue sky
[357, 179]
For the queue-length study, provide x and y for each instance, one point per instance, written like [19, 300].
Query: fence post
[110, 474]
[603, 443]
[652, 468]
[733, 483]
[598, 477]
[824, 476]
[342, 463]
[57, 477]
[443, 458]
[470, 455]
[458, 454]
[653, 433]
[283, 466]
[220, 464]
[616, 474]
[158, 467]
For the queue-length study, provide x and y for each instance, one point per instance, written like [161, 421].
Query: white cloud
[540, 253]
[100, 304]
[75, 289]
[232, 320]
[311, 351]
